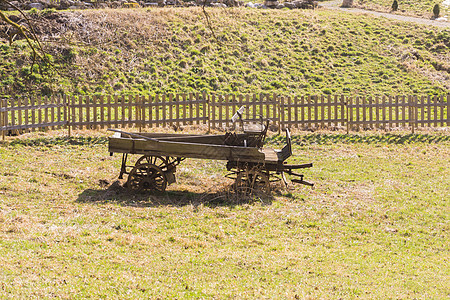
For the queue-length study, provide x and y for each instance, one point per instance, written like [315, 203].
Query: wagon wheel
[158, 161]
[147, 177]
[257, 179]
[251, 179]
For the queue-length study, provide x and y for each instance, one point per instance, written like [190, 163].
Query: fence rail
[215, 111]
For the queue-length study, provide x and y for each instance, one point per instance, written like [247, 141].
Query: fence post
[347, 114]
[139, 118]
[67, 114]
[448, 109]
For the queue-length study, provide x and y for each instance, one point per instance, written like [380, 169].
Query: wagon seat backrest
[286, 152]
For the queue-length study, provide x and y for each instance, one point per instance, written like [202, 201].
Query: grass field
[290, 52]
[375, 226]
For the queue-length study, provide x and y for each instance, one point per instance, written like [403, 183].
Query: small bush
[395, 5]
[436, 11]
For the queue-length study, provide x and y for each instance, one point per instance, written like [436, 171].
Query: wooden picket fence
[215, 111]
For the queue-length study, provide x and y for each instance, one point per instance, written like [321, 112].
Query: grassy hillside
[420, 7]
[283, 51]
[376, 224]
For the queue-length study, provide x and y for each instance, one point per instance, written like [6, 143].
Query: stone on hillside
[271, 3]
[347, 3]
[38, 6]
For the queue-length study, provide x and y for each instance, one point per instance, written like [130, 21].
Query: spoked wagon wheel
[147, 177]
[258, 180]
[252, 179]
[158, 161]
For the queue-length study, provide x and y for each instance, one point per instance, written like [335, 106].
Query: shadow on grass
[116, 193]
[397, 139]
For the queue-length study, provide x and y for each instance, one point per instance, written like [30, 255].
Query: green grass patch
[287, 52]
[376, 224]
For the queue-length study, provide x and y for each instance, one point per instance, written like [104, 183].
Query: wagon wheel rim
[147, 177]
[258, 180]
[158, 161]
[252, 179]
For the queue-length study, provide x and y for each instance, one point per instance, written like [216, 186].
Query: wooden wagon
[250, 164]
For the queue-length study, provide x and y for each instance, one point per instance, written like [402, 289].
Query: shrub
[436, 11]
[395, 5]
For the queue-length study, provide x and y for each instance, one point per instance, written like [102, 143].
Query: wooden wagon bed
[248, 161]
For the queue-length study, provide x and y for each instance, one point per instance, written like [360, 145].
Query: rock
[280, 6]
[38, 6]
[218, 5]
[347, 3]
[290, 5]
[271, 3]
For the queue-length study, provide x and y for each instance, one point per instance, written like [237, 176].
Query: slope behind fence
[215, 111]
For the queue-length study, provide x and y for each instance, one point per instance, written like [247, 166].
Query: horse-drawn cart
[250, 164]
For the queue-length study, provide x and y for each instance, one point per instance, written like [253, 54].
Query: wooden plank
[448, 110]
[349, 110]
[150, 121]
[253, 105]
[197, 108]
[177, 109]
[93, 104]
[185, 110]
[132, 105]
[157, 110]
[316, 110]
[370, 106]
[395, 108]
[39, 111]
[390, 102]
[227, 111]
[123, 110]
[364, 111]
[19, 113]
[302, 109]
[13, 112]
[435, 109]
[293, 106]
[26, 113]
[220, 106]
[170, 118]
[213, 118]
[322, 111]
[80, 111]
[343, 115]
[56, 117]
[262, 98]
[357, 112]
[309, 107]
[329, 110]
[101, 104]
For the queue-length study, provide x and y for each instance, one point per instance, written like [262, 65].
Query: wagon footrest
[301, 181]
